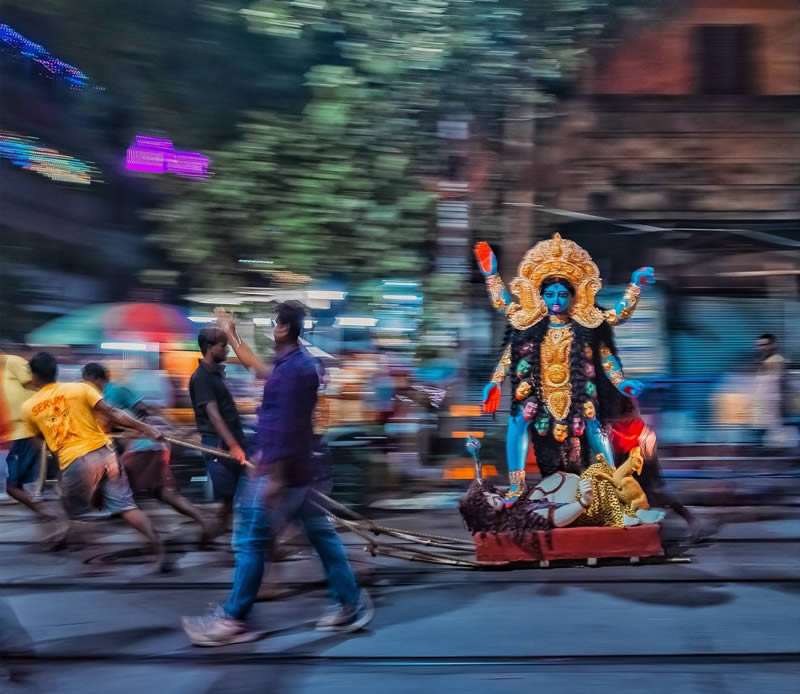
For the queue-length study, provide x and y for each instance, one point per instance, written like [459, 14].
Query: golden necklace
[556, 388]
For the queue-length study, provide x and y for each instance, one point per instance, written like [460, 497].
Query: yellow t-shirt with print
[64, 414]
[15, 377]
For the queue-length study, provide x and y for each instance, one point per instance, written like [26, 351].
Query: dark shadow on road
[102, 644]
[673, 595]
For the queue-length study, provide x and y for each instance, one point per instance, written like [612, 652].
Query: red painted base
[569, 543]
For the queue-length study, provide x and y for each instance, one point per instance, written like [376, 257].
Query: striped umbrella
[124, 322]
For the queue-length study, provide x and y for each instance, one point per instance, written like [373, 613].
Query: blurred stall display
[156, 155]
[13, 41]
[152, 385]
[182, 363]
[733, 402]
[643, 343]
[793, 395]
[25, 152]
[397, 307]
[352, 387]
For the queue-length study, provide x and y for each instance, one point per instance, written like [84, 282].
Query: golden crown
[556, 257]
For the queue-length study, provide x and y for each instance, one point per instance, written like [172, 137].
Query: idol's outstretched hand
[491, 398]
[487, 262]
[631, 388]
[643, 276]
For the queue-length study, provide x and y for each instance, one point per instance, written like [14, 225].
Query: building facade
[682, 144]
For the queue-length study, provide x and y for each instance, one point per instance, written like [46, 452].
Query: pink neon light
[156, 155]
[189, 164]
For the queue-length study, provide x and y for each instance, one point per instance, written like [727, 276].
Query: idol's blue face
[558, 299]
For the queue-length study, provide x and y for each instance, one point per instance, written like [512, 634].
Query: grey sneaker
[217, 629]
[348, 618]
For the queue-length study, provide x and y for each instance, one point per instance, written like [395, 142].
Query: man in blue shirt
[278, 492]
[146, 461]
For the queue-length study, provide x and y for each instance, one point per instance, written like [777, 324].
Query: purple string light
[155, 155]
[26, 48]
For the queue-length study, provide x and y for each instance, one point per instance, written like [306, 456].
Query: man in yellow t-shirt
[24, 455]
[65, 415]
[5, 422]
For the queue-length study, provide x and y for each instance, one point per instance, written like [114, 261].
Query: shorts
[224, 472]
[23, 463]
[148, 471]
[96, 481]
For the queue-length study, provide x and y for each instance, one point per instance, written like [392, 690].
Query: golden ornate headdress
[556, 257]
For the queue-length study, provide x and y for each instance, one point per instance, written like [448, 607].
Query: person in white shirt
[768, 395]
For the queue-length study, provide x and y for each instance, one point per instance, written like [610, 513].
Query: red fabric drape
[625, 434]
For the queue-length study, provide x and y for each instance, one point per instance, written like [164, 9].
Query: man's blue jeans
[256, 528]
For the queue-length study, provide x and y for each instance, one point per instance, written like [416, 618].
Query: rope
[131, 433]
[375, 548]
[382, 529]
[206, 449]
[428, 557]
[42, 478]
[361, 526]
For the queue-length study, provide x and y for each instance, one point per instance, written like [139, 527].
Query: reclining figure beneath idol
[600, 496]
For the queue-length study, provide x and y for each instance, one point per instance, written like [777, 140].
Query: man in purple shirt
[278, 492]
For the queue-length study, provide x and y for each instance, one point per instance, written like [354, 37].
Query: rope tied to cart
[358, 524]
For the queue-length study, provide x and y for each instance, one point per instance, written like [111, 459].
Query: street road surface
[726, 623]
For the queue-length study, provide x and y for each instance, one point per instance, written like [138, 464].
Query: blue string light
[25, 48]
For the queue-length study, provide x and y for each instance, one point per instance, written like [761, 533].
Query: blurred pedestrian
[631, 431]
[14, 640]
[92, 478]
[5, 415]
[218, 420]
[146, 461]
[382, 388]
[23, 457]
[769, 397]
[279, 492]
[5, 429]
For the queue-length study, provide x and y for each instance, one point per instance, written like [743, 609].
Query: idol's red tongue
[556, 308]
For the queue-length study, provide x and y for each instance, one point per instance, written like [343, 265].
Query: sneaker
[217, 629]
[348, 618]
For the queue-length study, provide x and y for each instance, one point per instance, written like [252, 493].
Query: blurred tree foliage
[183, 68]
[332, 190]
[322, 115]
[338, 187]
